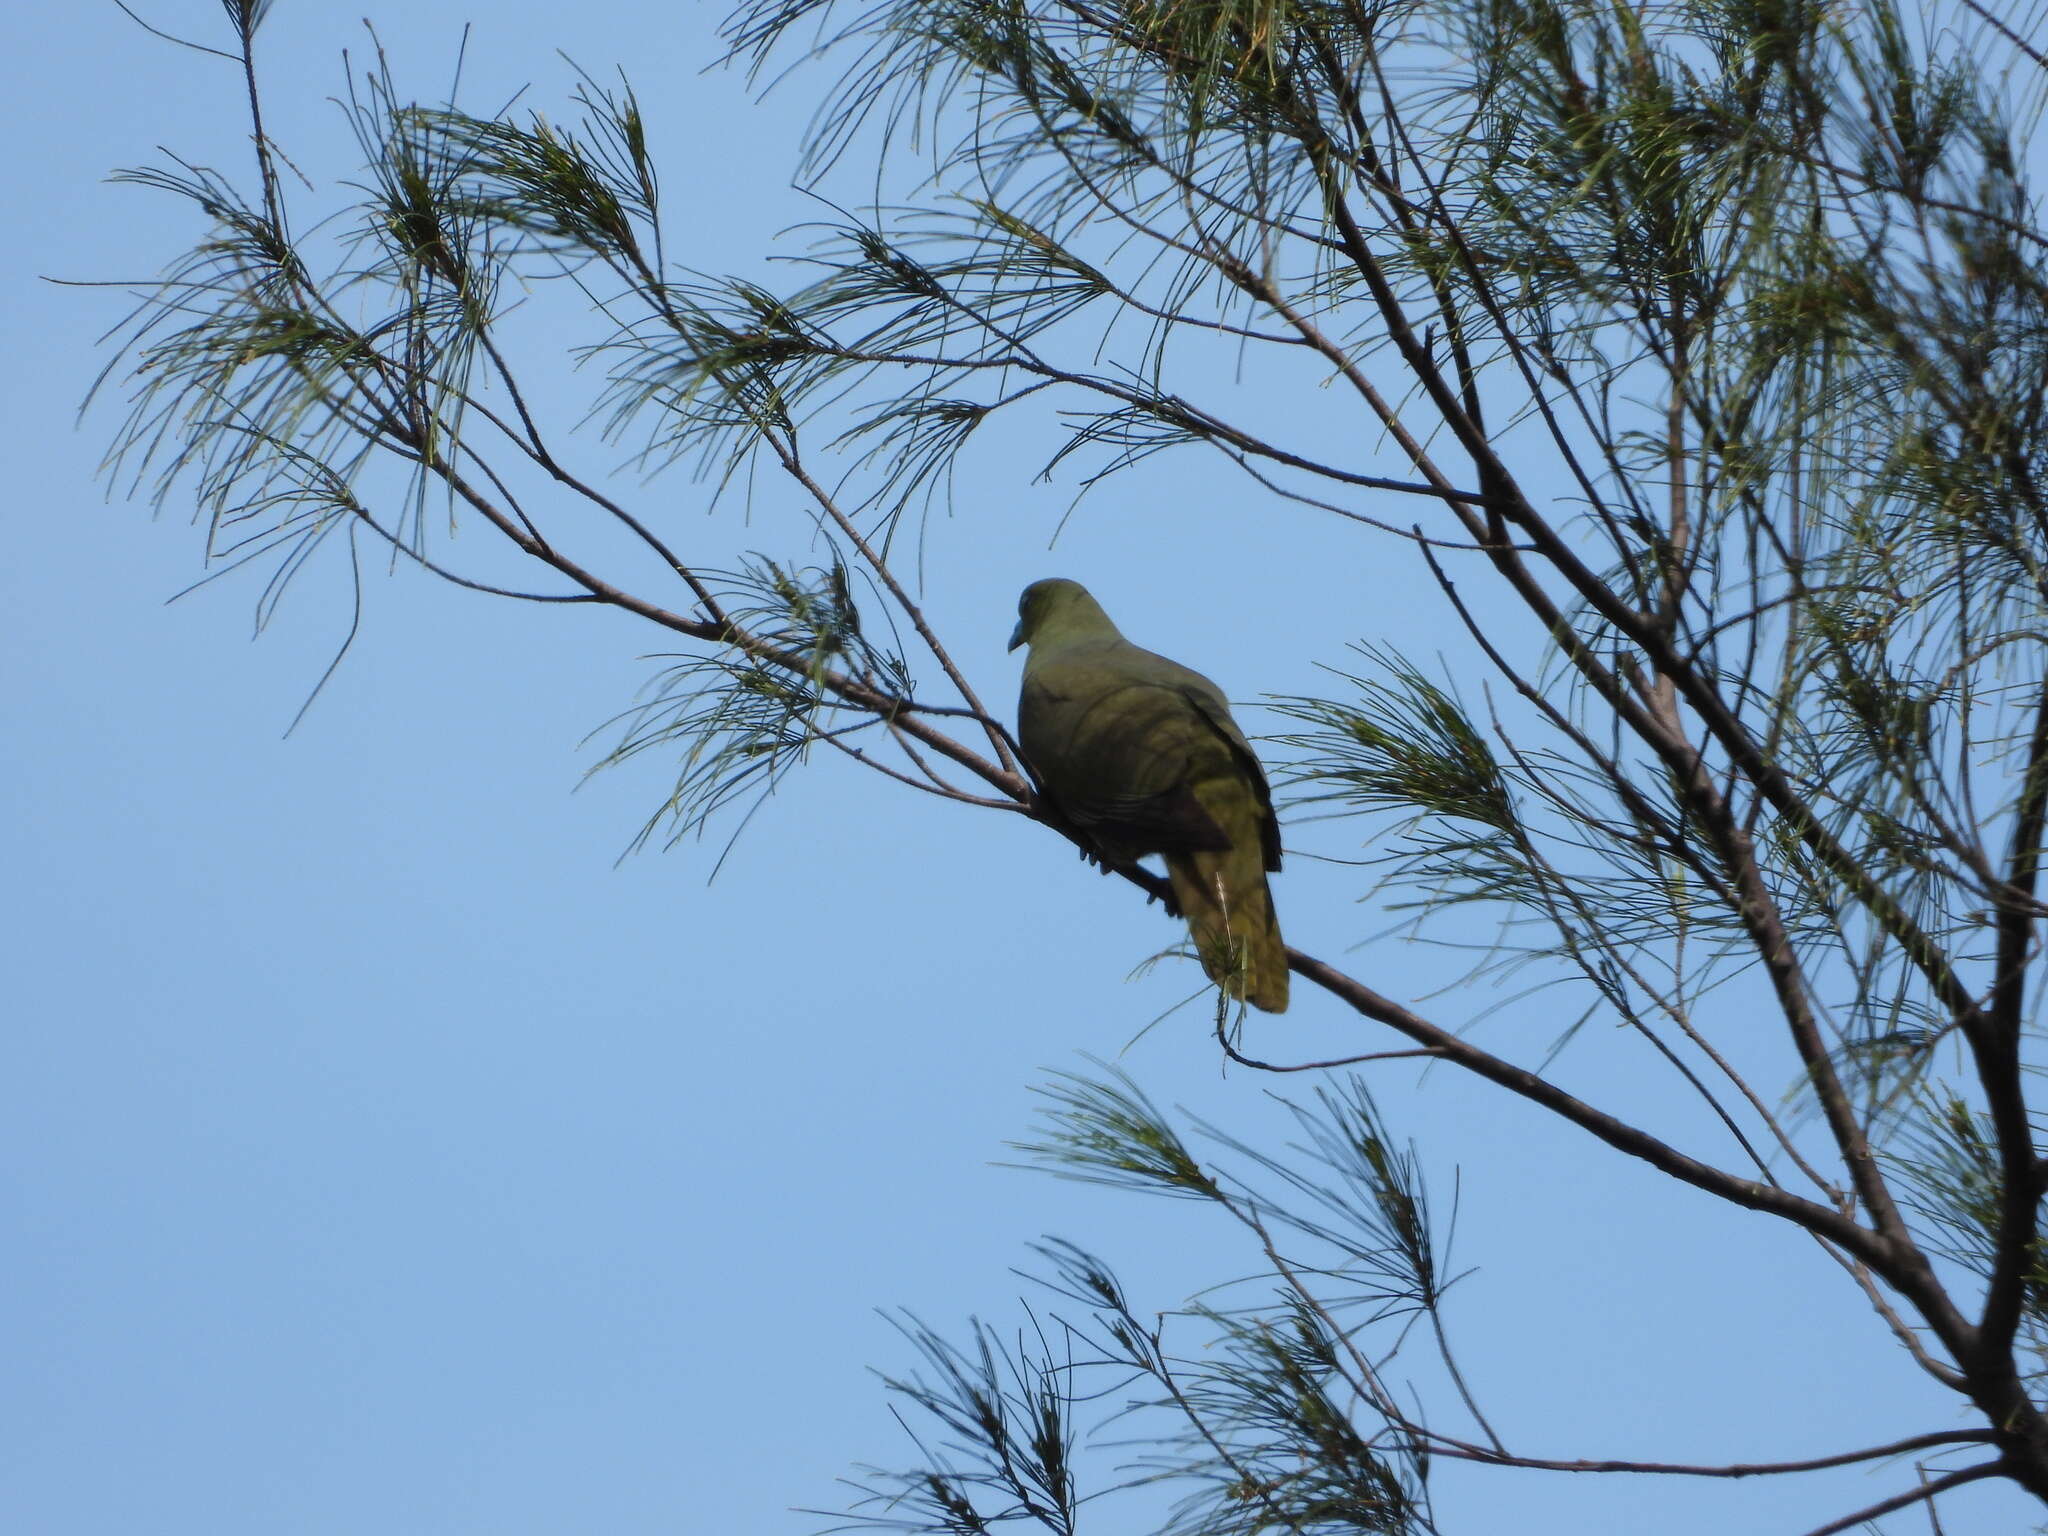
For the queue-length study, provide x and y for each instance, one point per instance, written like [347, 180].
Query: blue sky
[379, 1154]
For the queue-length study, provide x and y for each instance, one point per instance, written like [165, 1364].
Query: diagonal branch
[1911, 1496]
[1879, 1252]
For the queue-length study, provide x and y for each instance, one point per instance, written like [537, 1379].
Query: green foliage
[738, 721]
[1271, 1414]
[1403, 748]
[1949, 1165]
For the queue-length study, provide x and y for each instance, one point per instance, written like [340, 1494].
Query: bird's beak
[1017, 635]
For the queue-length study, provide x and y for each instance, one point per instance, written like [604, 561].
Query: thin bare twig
[1912, 1496]
[1734, 1469]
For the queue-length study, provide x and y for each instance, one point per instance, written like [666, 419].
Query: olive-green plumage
[1142, 755]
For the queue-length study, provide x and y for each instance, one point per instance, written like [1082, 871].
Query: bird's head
[1058, 609]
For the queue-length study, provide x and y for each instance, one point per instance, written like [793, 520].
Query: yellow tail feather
[1230, 918]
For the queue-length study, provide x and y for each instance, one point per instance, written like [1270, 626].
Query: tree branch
[1911, 1497]
[1751, 1194]
[1731, 1469]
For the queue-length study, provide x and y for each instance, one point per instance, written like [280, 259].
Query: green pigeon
[1141, 755]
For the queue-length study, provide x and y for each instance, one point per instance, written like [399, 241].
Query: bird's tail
[1230, 918]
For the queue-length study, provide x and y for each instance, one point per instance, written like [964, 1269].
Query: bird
[1141, 756]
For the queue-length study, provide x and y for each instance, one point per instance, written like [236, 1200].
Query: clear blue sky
[375, 1156]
